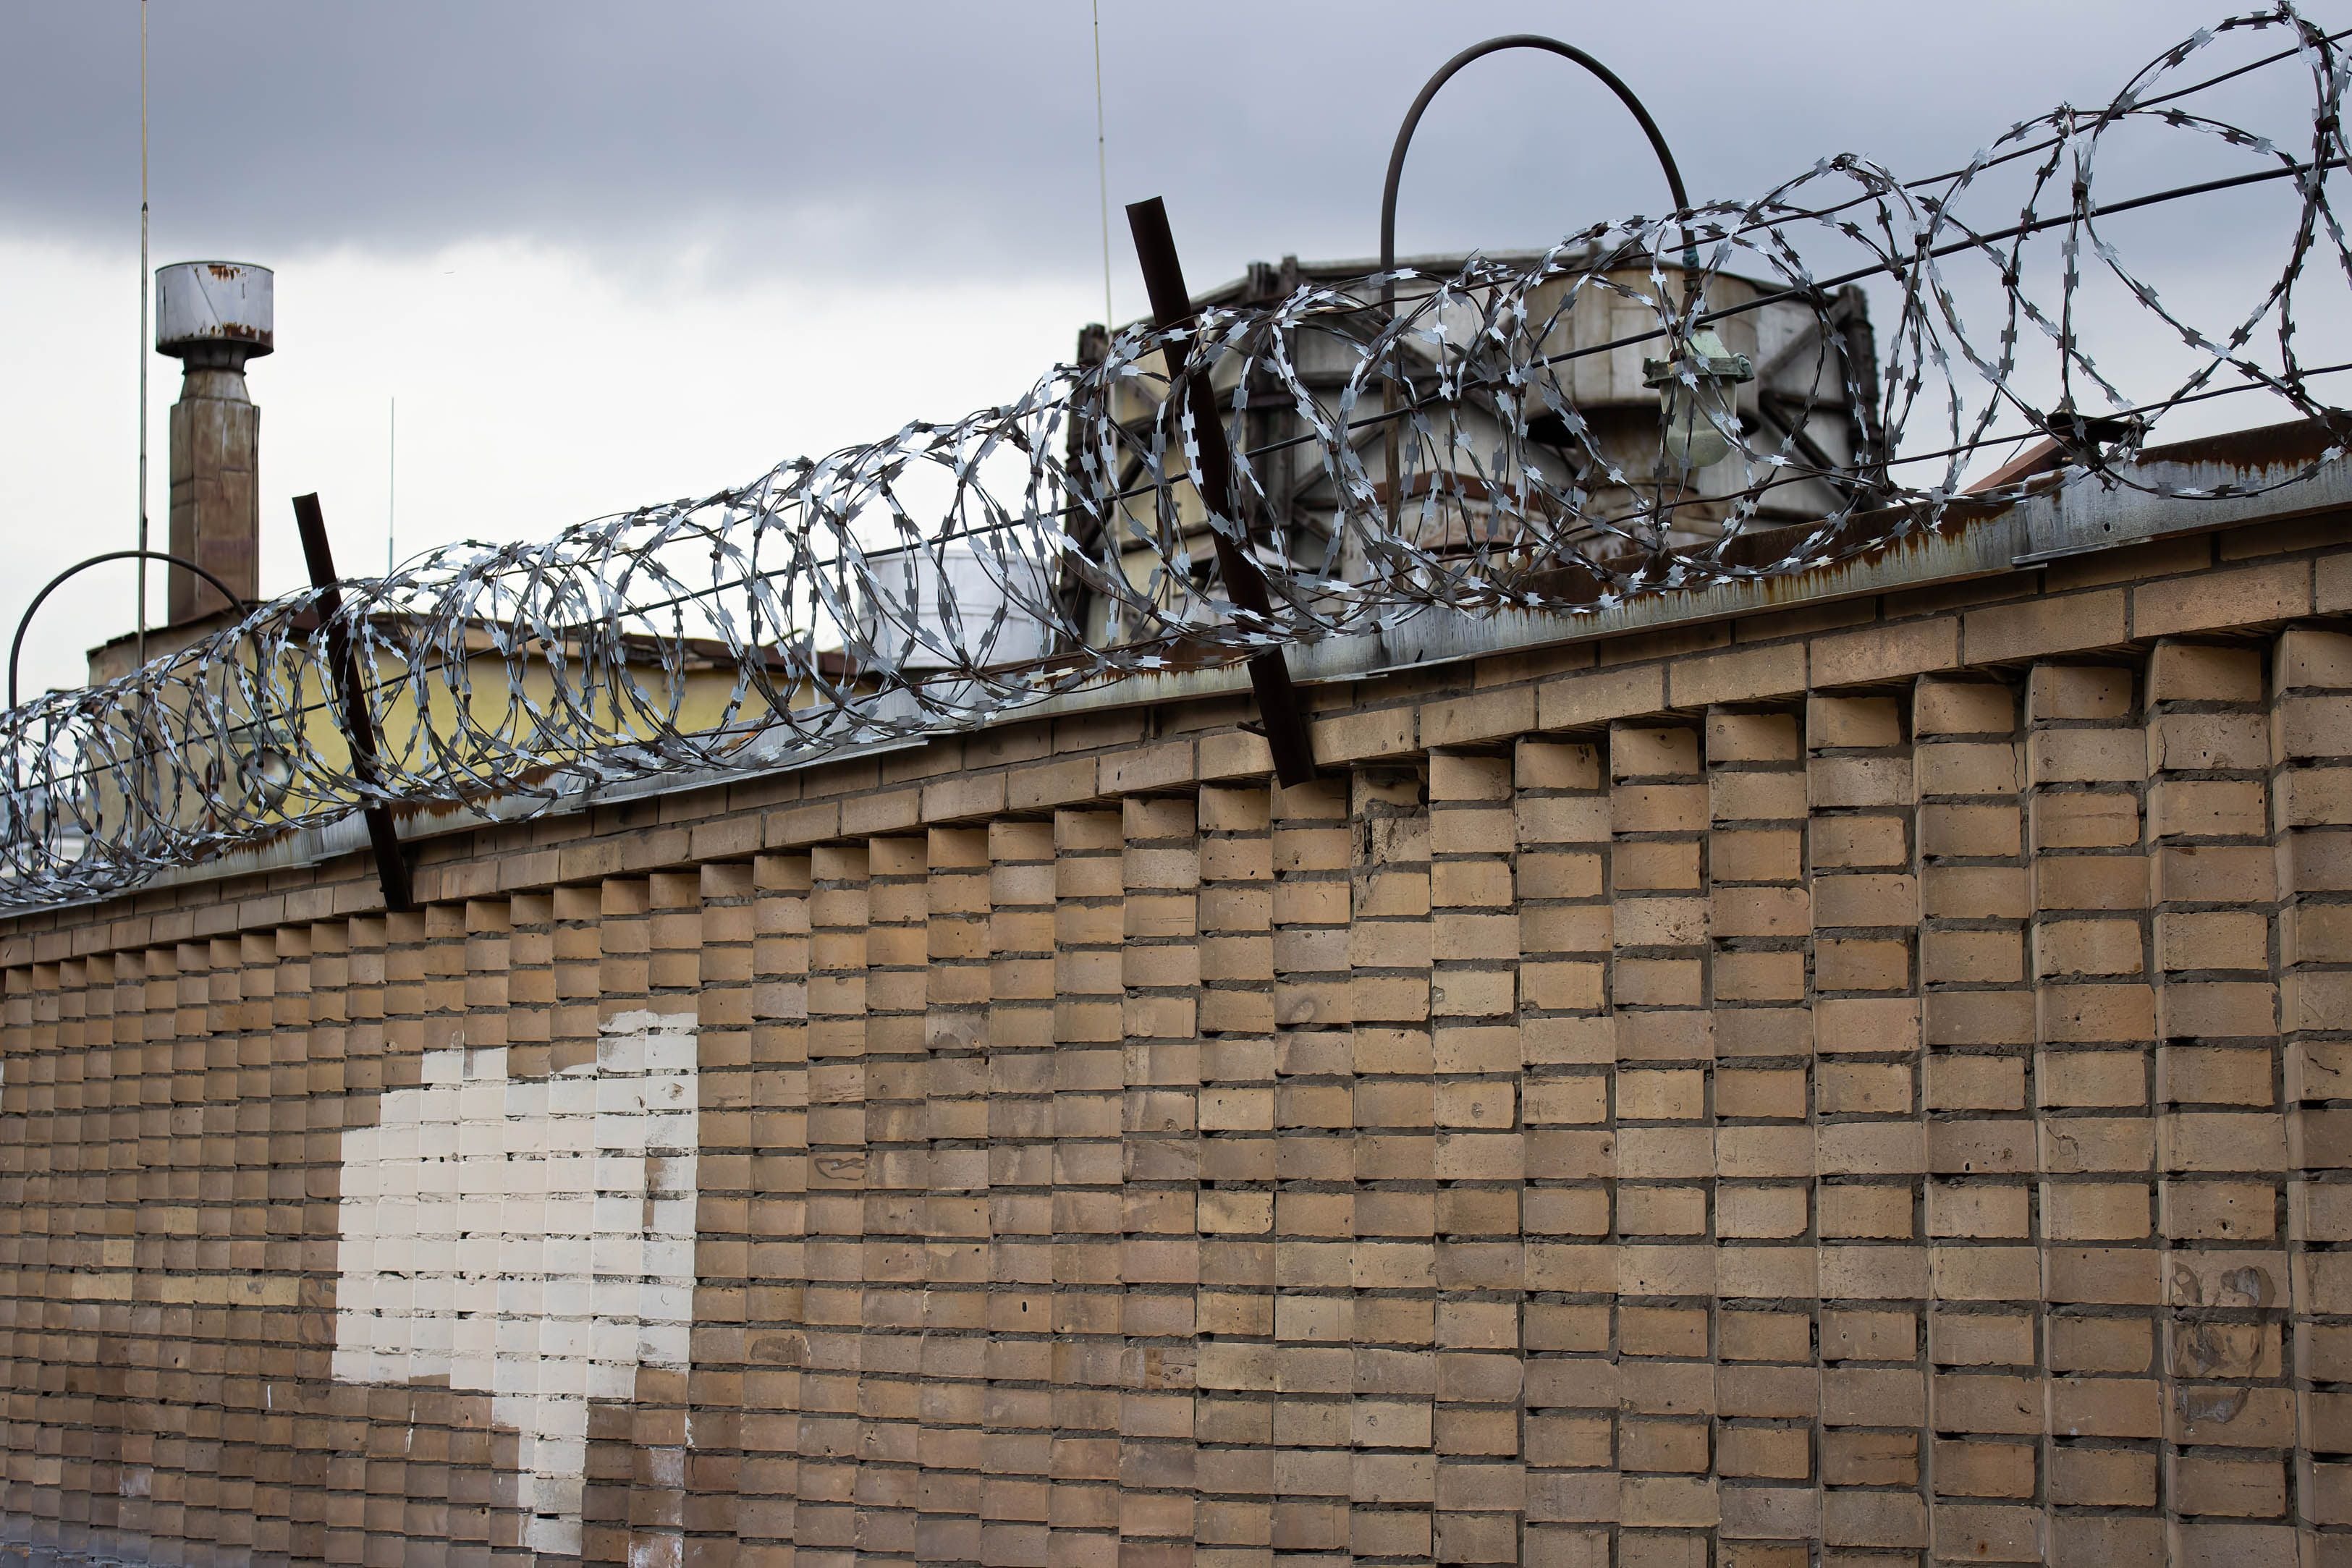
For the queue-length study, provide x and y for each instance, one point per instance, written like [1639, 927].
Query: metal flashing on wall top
[2052, 523]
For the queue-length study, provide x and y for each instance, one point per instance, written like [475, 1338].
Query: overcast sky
[606, 254]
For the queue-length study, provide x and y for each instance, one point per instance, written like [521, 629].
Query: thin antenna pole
[391, 487]
[1102, 168]
[144, 286]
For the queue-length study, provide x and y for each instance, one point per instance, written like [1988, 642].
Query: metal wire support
[16, 644]
[1212, 465]
[351, 710]
[1447, 72]
[1403, 144]
[952, 573]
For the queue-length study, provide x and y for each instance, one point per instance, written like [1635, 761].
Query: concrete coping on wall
[2264, 475]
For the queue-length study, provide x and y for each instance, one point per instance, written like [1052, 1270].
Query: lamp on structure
[267, 773]
[1694, 385]
[1695, 390]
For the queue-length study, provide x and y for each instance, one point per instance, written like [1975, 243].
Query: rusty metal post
[358, 725]
[1171, 308]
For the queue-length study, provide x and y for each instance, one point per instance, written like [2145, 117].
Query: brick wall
[1860, 1086]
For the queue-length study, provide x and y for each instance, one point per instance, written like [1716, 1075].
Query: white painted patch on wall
[532, 1238]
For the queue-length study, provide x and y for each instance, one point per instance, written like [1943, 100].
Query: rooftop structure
[1811, 371]
[214, 317]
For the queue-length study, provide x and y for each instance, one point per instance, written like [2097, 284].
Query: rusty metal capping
[2086, 516]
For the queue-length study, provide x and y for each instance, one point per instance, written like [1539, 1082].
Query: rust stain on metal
[2275, 450]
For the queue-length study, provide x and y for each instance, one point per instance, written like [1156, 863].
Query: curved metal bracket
[17, 647]
[1446, 73]
[1390, 440]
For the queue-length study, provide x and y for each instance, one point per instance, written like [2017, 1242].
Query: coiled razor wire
[942, 576]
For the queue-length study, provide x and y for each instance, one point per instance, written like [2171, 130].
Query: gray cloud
[723, 136]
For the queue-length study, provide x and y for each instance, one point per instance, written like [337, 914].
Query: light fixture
[267, 773]
[1697, 399]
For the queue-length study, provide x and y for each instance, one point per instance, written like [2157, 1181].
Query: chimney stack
[214, 316]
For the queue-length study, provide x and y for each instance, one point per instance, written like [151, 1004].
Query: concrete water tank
[200, 304]
[214, 316]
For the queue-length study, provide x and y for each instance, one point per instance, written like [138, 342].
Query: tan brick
[1968, 767]
[1489, 715]
[1886, 653]
[1556, 765]
[1356, 736]
[1636, 866]
[1853, 721]
[2088, 947]
[2205, 741]
[2085, 757]
[1834, 782]
[1234, 754]
[1653, 751]
[1873, 1089]
[2247, 597]
[2088, 692]
[1574, 701]
[2040, 626]
[1853, 842]
[2091, 882]
[2105, 818]
[1742, 737]
[1741, 676]
[1861, 964]
[1975, 1083]
[2309, 657]
[1673, 1095]
[1760, 855]
[1975, 893]
[1987, 833]
[1971, 957]
[972, 795]
[1467, 776]
[2307, 725]
[2207, 808]
[2193, 672]
[1962, 705]
[1739, 796]
[2332, 585]
[1167, 766]
[1882, 900]
[1044, 785]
